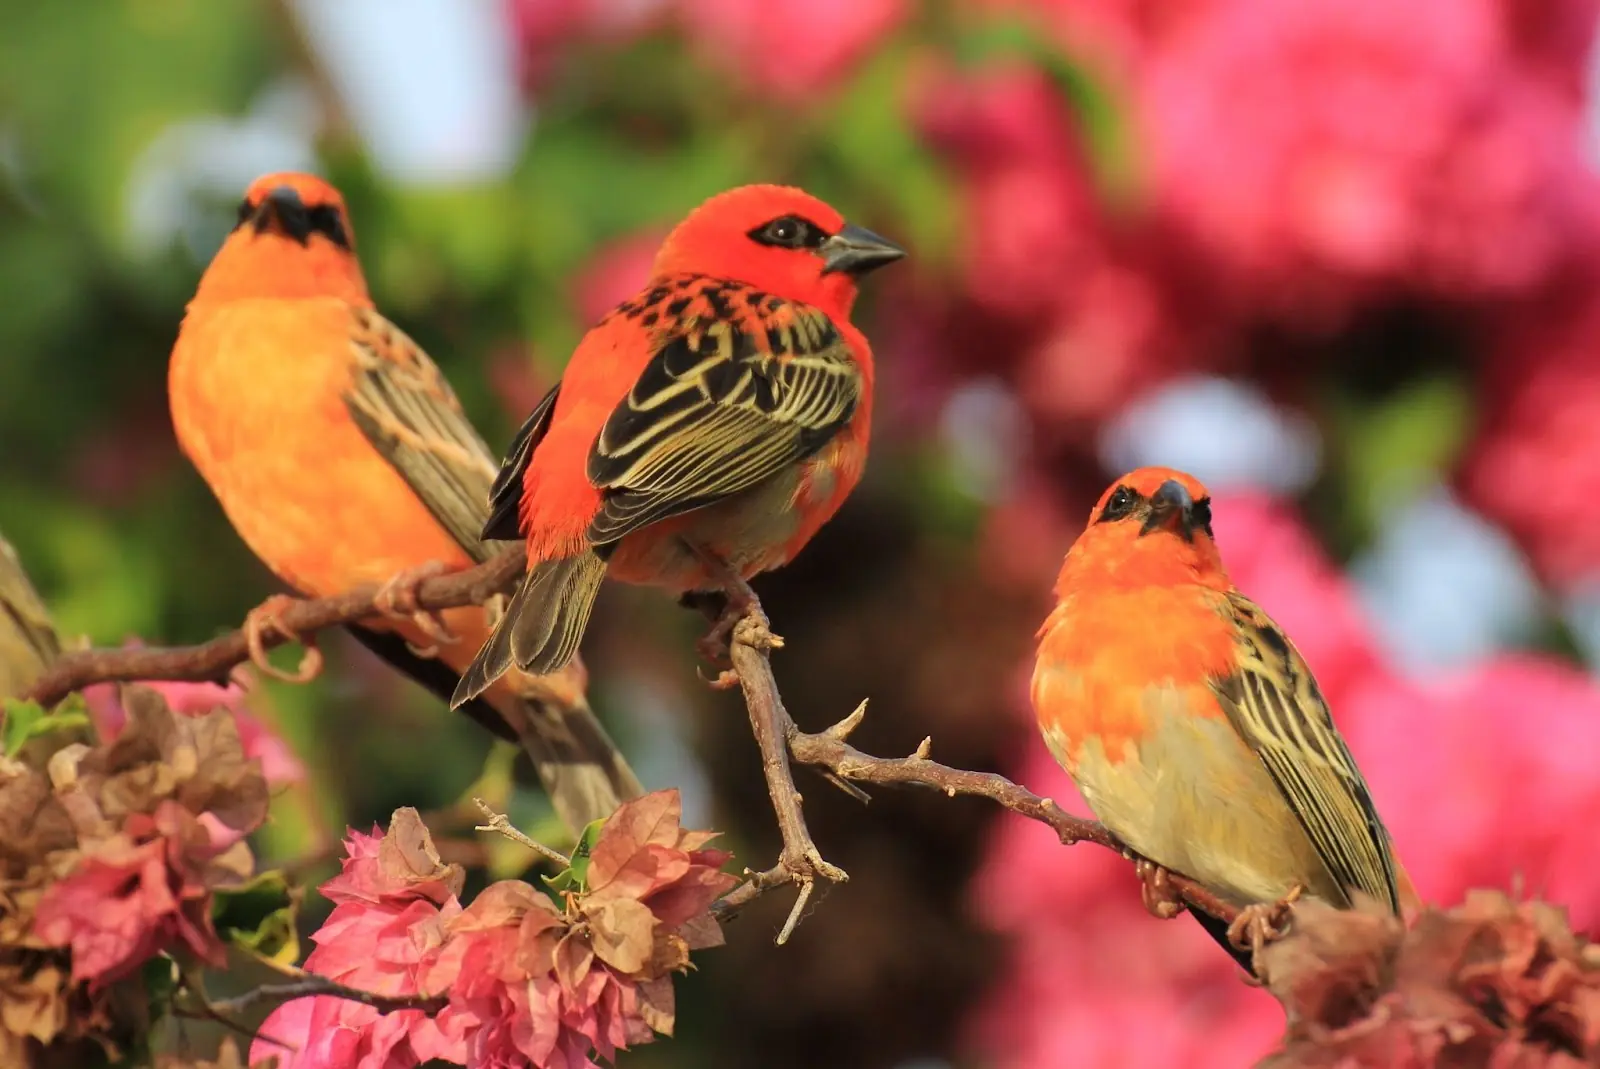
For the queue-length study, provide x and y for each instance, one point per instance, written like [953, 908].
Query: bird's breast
[1123, 701]
[257, 396]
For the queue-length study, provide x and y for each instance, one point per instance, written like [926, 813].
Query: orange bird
[1188, 719]
[703, 430]
[342, 457]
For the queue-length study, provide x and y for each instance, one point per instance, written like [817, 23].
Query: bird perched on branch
[1192, 725]
[702, 432]
[342, 457]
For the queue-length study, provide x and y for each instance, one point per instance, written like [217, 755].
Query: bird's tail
[1218, 930]
[542, 625]
[578, 765]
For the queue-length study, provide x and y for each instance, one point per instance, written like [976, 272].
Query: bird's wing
[1274, 704]
[505, 496]
[404, 406]
[718, 410]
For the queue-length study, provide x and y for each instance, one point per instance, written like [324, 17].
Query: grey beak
[284, 205]
[856, 250]
[1171, 499]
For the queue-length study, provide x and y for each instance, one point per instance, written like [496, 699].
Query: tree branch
[311, 984]
[829, 752]
[779, 738]
[211, 661]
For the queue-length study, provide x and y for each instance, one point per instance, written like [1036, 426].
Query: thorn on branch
[844, 728]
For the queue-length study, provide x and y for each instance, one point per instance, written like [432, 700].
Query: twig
[211, 661]
[499, 823]
[830, 753]
[800, 861]
[310, 984]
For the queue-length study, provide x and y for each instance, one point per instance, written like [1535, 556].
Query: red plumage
[716, 420]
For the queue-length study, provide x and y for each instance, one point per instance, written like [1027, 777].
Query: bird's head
[291, 238]
[1152, 527]
[778, 239]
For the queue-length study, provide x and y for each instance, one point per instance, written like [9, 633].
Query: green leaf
[160, 975]
[575, 878]
[26, 721]
[260, 917]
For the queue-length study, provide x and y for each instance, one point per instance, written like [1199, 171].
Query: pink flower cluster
[136, 836]
[278, 762]
[1535, 465]
[1483, 779]
[528, 981]
[1279, 163]
[137, 893]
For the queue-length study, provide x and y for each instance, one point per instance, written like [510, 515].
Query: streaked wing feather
[505, 496]
[1274, 704]
[717, 411]
[404, 406]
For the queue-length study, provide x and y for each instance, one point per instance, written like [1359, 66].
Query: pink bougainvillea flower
[530, 982]
[822, 39]
[1319, 150]
[144, 890]
[392, 898]
[279, 765]
[1535, 466]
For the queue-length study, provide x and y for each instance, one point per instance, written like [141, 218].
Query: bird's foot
[735, 604]
[397, 599]
[1160, 898]
[266, 619]
[1261, 923]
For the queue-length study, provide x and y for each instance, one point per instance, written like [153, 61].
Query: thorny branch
[827, 751]
[211, 661]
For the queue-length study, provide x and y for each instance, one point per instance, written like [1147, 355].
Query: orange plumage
[715, 421]
[341, 456]
[1190, 723]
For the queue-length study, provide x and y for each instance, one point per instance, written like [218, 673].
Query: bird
[341, 456]
[1192, 726]
[703, 430]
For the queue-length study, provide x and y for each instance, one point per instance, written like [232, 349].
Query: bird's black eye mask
[789, 232]
[294, 219]
[1127, 502]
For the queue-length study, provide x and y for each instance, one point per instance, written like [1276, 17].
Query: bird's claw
[1261, 923]
[398, 600]
[1160, 898]
[266, 619]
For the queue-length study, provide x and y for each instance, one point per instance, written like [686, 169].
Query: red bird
[703, 431]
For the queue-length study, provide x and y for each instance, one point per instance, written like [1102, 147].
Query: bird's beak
[1171, 500]
[284, 206]
[856, 250]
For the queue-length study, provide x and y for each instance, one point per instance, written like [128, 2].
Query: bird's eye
[326, 220]
[1122, 502]
[1201, 514]
[789, 232]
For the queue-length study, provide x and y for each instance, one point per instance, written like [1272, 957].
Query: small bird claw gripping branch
[211, 661]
